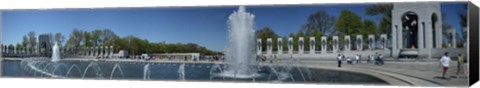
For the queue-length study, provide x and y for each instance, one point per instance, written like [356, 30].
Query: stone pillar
[400, 38]
[371, 42]
[383, 41]
[14, 50]
[102, 51]
[269, 46]
[301, 45]
[290, 45]
[420, 36]
[335, 44]
[438, 32]
[454, 38]
[111, 51]
[85, 51]
[105, 51]
[428, 35]
[95, 51]
[359, 42]
[7, 49]
[323, 43]
[279, 46]
[312, 45]
[25, 51]
[348, 43]
[90, 50]
[395, 47]
[259, 46]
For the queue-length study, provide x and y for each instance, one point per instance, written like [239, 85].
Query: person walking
[460, 65]
[445, 61]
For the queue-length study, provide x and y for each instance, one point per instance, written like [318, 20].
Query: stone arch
[44, 48]
[410, 23]
[435, 22]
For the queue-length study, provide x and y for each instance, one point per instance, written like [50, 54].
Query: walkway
[412, 71]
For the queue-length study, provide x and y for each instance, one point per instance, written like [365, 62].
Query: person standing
[349, 60]
[445, 61]
[339, 60]
[460, 65]
[357, 58]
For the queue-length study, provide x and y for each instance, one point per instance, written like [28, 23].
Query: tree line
[79, 39]
[321, 23]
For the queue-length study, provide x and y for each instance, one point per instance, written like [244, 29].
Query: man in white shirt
[339, 60]
[357, 58]
[445, 60]
[349, 60]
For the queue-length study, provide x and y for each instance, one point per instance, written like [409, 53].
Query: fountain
[55, 53]
[240, 48]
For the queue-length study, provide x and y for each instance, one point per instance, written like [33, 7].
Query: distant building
[181, 56]
[121, 54]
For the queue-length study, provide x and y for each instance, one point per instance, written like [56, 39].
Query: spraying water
[181, 72]
[146, 72]
[55, 53]
[239, 54]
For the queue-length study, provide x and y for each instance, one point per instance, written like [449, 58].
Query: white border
[48, 4]
[64, 83]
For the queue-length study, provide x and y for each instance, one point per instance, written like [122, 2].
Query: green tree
[10, 48]
[59, 38]
[369, 27]
[320, 21]
[384, 9]
[75, 40]
[463, 23]
[95, 34]
[32, 41]
[447, 36]
[348, 23]
[19, 47]
[88, 42]
[134, 45]
[25, 41]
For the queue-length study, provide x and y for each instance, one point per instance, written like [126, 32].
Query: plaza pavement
[420, 73]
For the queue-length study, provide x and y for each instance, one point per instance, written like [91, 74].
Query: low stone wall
[436, 53]
[452, 52]
[327, 56]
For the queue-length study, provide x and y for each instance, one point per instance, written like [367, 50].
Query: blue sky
[206, 26]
